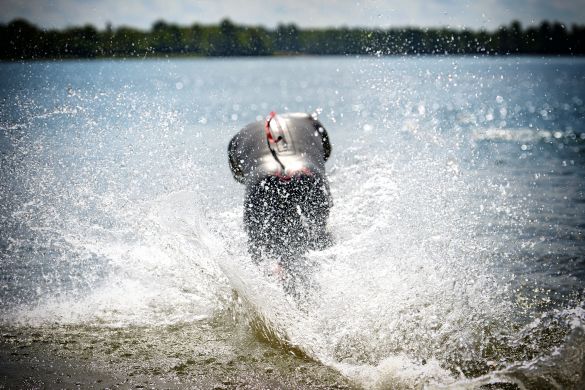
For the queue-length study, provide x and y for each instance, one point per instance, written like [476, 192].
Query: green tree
[166, 38]
[287, 38]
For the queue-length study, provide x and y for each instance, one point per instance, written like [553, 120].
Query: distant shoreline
[21, 40]
[277, 57]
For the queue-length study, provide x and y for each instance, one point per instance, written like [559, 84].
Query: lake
[458, 223]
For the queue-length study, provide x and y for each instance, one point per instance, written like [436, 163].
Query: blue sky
[487, 14]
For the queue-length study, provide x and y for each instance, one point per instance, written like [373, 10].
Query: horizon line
[289, 24]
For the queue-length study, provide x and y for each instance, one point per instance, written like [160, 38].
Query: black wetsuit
[282, 163]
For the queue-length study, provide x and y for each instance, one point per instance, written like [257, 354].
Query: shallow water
[458, 220]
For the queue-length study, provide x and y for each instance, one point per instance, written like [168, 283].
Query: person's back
[282, 163]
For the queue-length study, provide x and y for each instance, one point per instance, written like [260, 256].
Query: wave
[529, 135]
[561, 367]
[153, 271]
[411, 294]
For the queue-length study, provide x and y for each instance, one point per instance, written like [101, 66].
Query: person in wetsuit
[281, 161]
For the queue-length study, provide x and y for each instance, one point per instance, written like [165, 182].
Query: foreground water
[458, 224]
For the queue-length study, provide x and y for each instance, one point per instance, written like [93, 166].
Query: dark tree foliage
[21, 40]
[286, 39]
[166, 38]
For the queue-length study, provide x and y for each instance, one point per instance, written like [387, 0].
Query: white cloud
[306, 13]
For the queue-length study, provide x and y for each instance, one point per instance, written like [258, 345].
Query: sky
[487, 14]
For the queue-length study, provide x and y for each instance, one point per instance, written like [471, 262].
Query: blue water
[458, 218]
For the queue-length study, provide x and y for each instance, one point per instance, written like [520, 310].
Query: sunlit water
[458, 218]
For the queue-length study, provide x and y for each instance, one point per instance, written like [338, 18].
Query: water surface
[458, 220]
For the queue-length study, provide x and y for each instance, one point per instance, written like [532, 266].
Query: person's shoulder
[246, 135]
[250, 128]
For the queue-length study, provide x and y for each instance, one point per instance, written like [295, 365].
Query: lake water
[458, 222]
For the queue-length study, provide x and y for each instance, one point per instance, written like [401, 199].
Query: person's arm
[324, 139]
[235, 165]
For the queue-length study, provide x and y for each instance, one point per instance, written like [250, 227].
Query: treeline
[21, 40]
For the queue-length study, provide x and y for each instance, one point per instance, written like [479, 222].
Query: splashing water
[457, 221]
